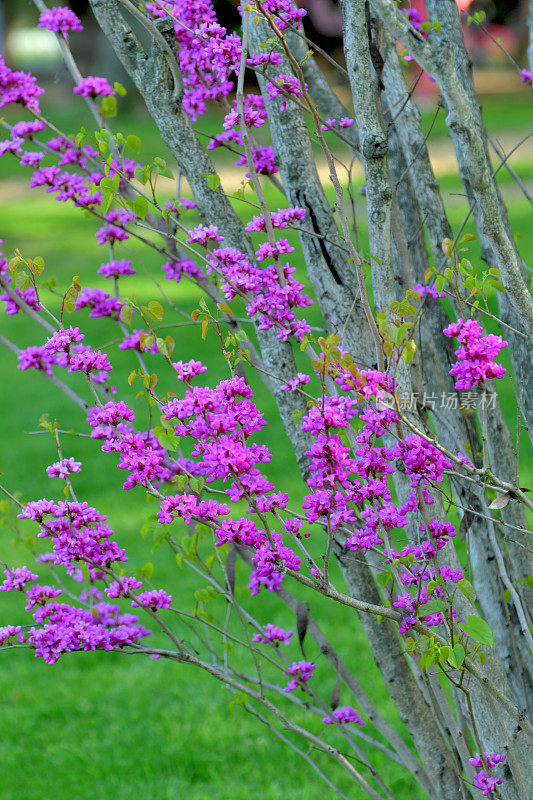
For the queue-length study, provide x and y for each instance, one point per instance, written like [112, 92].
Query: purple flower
[60, 20]
[188, 370]
[475, 358]
[122, 587]
[40, 596]
[101, 303]
[110, 414]
[116, 269]
[273, 634]
[93, 87]
[344, 715]
[174, 270]
[156, 600]
[8, 632]
[18, 87]
[16, 579]
[63, 468]
[302, 672]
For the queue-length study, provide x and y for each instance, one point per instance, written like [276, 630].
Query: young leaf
[126, 314]
[468, 590]
[478, 630]
[140, 206]
[148, 570]
[155, 310]
[134, 143]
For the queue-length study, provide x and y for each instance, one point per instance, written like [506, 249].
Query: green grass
[110, 725]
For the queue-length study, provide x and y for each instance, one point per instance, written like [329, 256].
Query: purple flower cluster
[110, 414]
[78, 534]
[272, 302]
[93, 87]
[186, 371]
[65, 629]
[156, 600]
[264, 60]
[344, 715]
[281, 218]
[331, 124]
[141, 455]
[116, 269]
[175, 270]
[273, 634]
[16, 579]
[69, 186]
[428, 291]
[220, 422]
[40, 596]
[62, 350]
[475, 358]
[302, 672]
[18, 87]
[59, 19]
[482, 780]
[101, 303]
[122, 587]
[26, 130]
[187, 506]
[133, 342]
[284, 86]
[208, 54]
[283, 11]
[64, 468]
[115, 228]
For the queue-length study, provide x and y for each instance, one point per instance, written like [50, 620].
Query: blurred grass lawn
[107, 725]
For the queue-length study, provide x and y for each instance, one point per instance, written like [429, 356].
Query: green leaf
[155, 310]
[126, 314]
[166, 439]
[107, 199]
[148, 570]
[134, 143]
[38, 265]
[119, 89]
[109, 106]
[107, 184]
[22, 280]
[432, 607]
[457, 656]
[383, 578]
[141, 174]
[478, 630]
[444, 654]
[140, 206]
[468, 590]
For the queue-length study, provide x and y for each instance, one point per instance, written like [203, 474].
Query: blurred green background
[108, 725]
